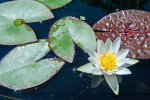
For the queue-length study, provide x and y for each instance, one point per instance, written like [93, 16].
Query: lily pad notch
[14, 15]
[25, 69]
[67, 31]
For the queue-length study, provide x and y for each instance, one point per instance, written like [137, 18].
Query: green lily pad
[30, 75]
[19, 69]
[67, 29]
[24, 55]
[14, 15]
[53, 4]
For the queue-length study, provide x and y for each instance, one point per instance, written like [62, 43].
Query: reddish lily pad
[133, 26]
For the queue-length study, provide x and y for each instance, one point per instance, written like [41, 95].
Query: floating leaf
[53, 4]
[67, 29]
[30, 75]
[14, 15]
[132, 26]
[24, 55]
[19, 69]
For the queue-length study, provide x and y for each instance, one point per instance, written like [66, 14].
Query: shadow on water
[114, 5]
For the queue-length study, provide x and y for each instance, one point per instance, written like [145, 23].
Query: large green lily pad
[19, 69]
[67, 29]
[53, 4]
[20, 12]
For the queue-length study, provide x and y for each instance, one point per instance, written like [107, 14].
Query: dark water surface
[69, 84]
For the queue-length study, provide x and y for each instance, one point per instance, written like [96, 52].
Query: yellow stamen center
[108, 61]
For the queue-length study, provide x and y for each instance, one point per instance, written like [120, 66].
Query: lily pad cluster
[22, 67]
[15, 14]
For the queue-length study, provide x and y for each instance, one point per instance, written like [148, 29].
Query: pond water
[70, 84]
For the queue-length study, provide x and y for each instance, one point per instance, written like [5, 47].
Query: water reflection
[113, 5]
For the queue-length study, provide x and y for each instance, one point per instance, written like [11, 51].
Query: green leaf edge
[48, 10]
[55, 7]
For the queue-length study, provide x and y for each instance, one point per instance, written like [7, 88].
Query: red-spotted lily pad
[54, 4]
[133, 26]
[21, 68]
[67, 30]
[14, 15]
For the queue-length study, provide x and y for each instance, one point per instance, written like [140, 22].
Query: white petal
[120, 63]
[96, 80]
[108, 72]
[93, 60]
[97, 71]
[122, 54]
[108, 46]
[116, 45]
[126, 62]
[96, 55]
[123, 71]
[123, 66]
[132, 61]
[113, 83]
[100, 47]
[87, 68]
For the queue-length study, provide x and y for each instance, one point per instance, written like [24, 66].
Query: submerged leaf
[53, 4]
[67, 29]
[13, 31]
[30, 75]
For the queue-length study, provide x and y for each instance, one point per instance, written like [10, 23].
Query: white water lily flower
[108, 61]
